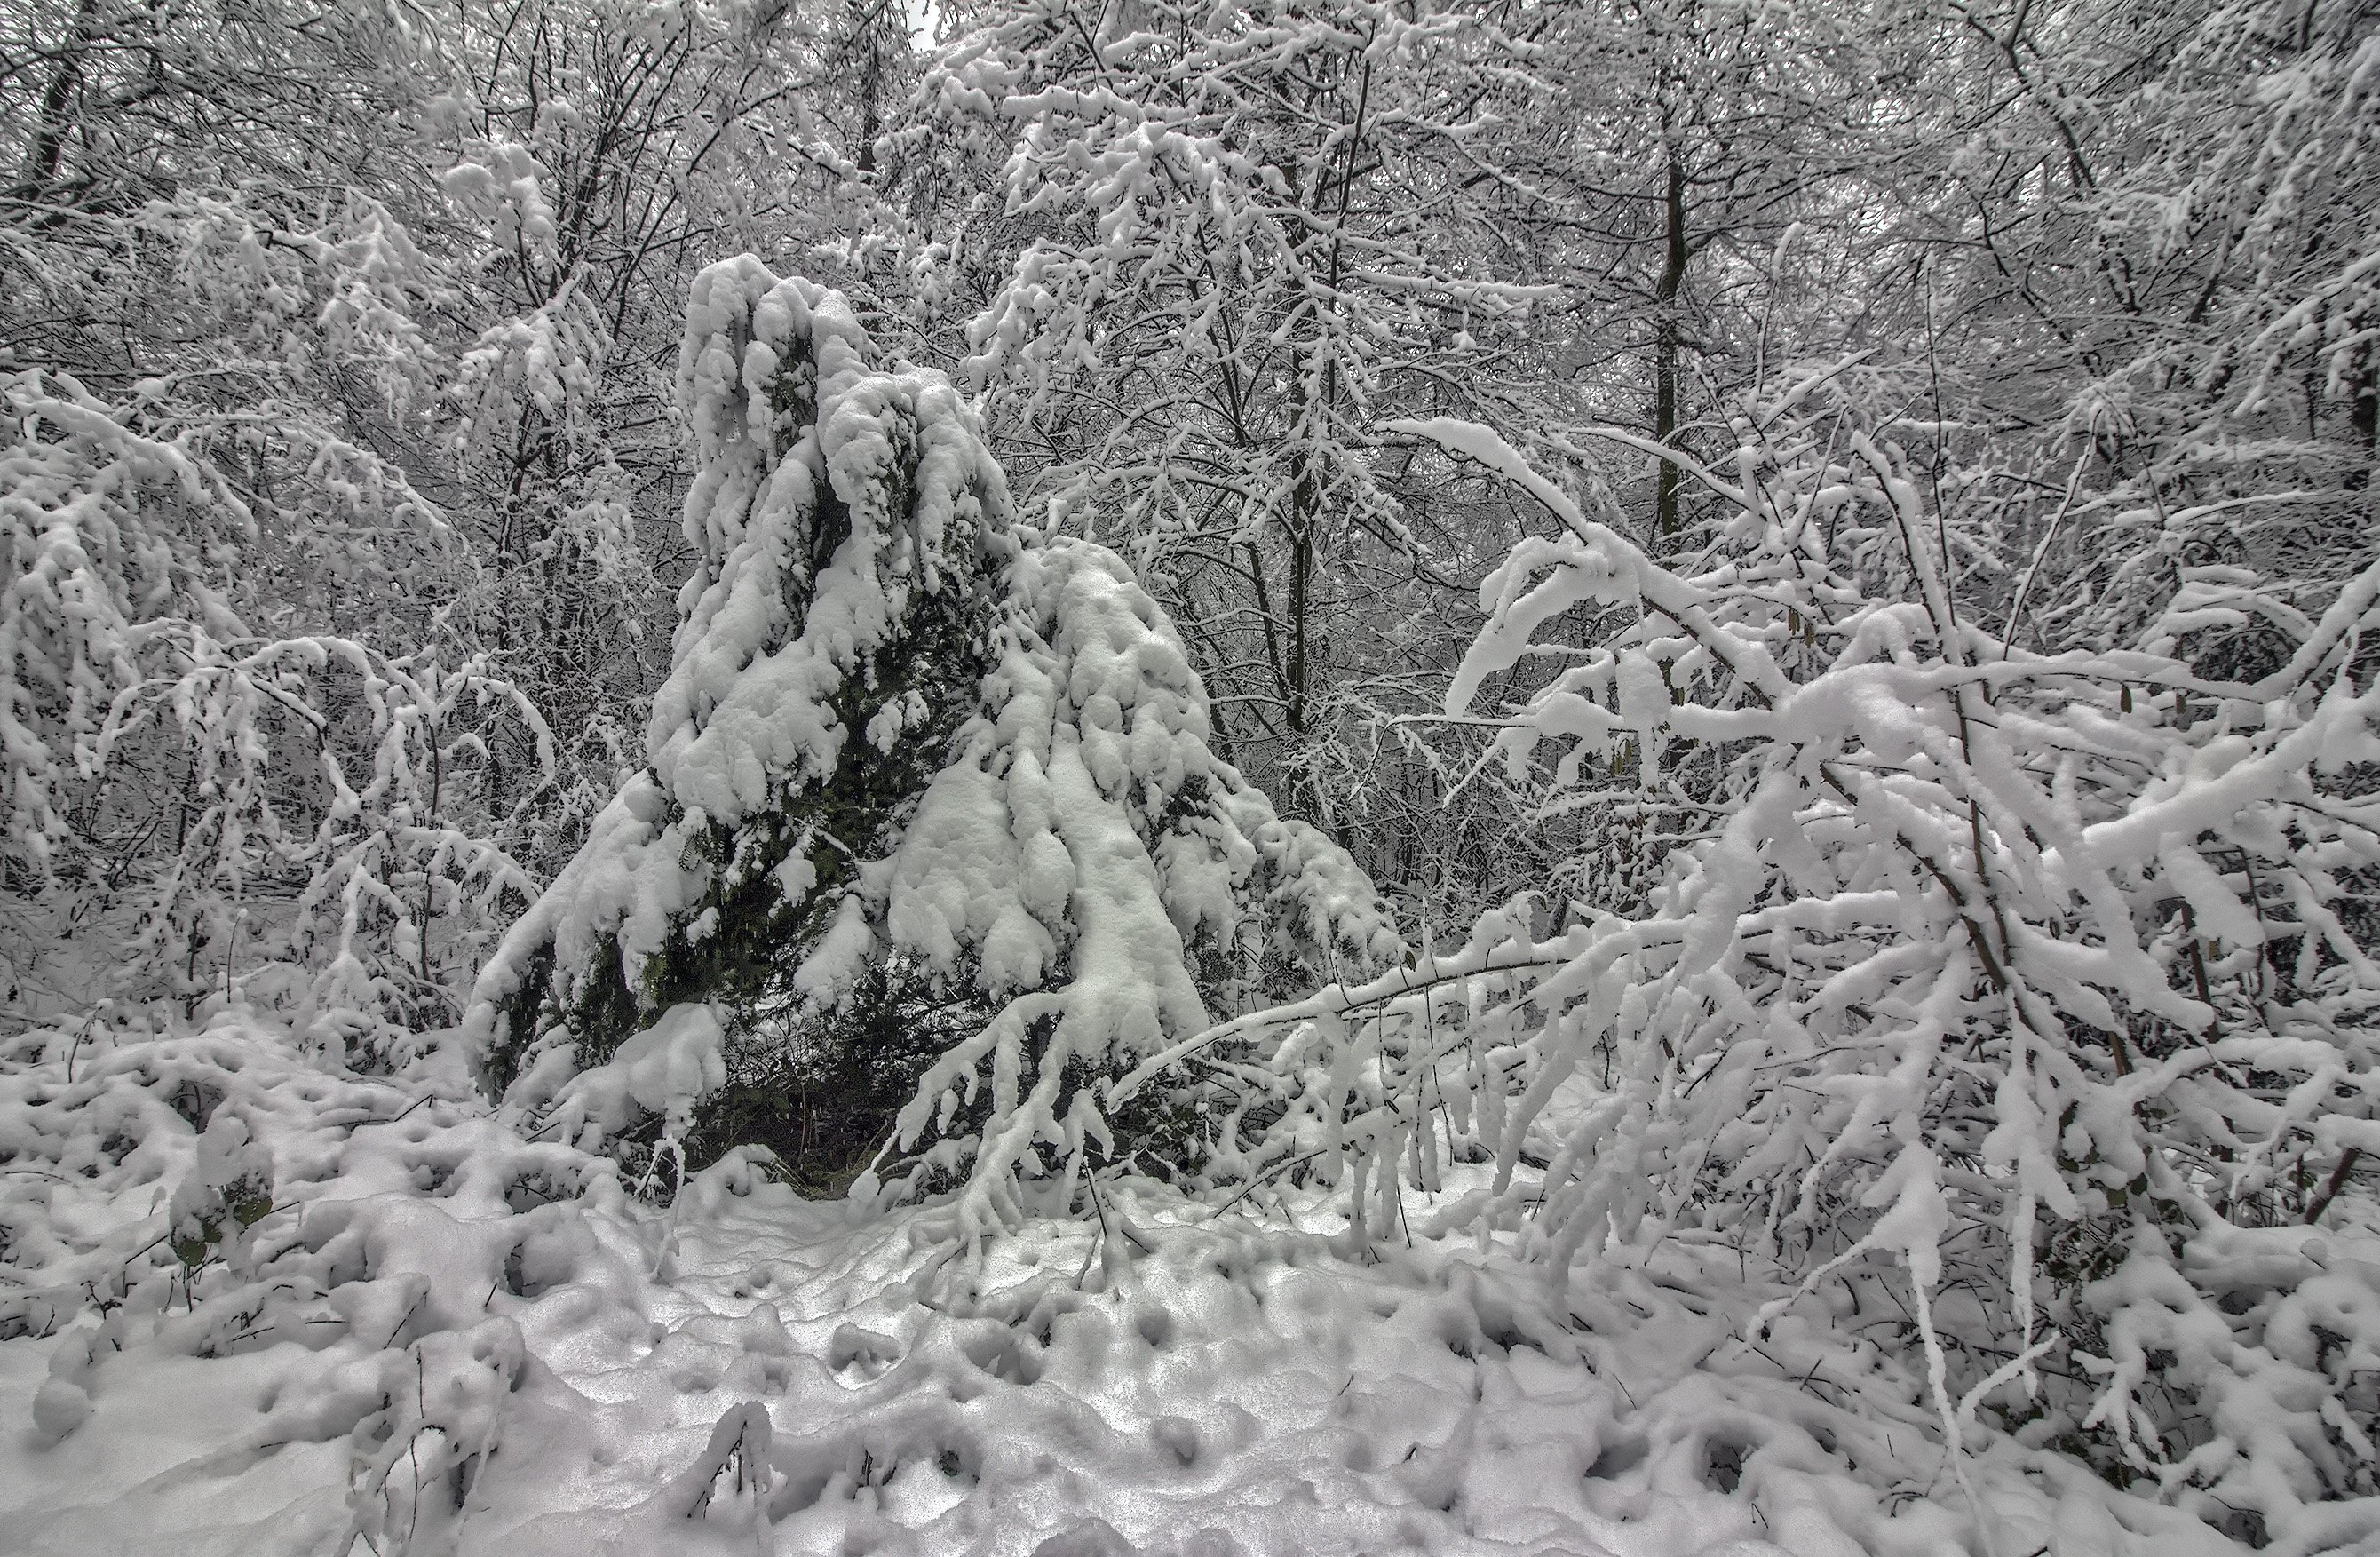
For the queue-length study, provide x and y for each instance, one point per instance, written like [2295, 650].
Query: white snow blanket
[445, 1338]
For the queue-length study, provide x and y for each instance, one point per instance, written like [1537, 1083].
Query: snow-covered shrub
[377, 398]
[251, 720]
[408, 872]
[2043, 976]
[907, 750]
[229, 797]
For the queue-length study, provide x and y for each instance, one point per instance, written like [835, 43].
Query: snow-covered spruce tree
[908, 754]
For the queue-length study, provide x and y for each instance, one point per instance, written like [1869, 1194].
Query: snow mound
[261, 1307]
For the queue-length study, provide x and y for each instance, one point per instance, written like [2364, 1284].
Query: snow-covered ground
[443, 1337]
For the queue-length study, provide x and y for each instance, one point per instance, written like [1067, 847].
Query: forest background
[1815, 554]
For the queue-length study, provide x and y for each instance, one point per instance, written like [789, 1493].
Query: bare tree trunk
[1301, 572]
[1665, 347]
[2363, 417]
[48, 148]
[871, 38]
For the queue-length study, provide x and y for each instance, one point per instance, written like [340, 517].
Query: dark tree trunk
[2364, 416]
[48, 149]
[1666, 346]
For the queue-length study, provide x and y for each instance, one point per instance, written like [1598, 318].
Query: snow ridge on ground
[442, 1337]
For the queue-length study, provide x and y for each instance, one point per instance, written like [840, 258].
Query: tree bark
[48, 149]
[1666, 345]
[2363, 417]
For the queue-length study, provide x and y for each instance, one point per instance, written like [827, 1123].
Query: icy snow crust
[445, 1338]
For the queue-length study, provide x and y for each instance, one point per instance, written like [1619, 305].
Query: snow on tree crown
[901, 729]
